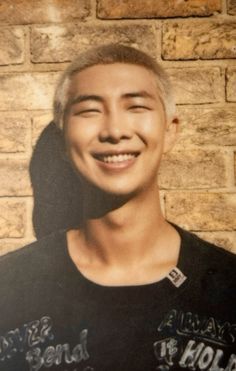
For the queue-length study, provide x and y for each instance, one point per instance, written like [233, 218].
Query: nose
[116, 127]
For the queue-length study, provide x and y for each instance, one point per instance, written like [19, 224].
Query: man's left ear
[172, 129]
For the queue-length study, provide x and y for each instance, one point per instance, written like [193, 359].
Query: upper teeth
[117, 158]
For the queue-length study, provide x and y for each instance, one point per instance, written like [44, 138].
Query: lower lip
[117, 166]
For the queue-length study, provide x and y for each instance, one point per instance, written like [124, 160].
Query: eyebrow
[98, 98]
[138, 94]
[83, 98]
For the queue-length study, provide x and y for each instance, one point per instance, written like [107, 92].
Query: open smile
[117, 160]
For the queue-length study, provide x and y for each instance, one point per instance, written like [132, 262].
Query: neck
[127, 232]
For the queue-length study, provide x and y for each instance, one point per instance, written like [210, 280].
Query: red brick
[200, 211]
[60, 43]
[12, 45]
[14, 177]
[235, 167]
[112, 9]
[31, 90]
[14, 129]
[201, 125]
[12, 218]
[197, 39]
[43, 11]
[197, 85]
[193, 169]
[231, 84]
[232, 7]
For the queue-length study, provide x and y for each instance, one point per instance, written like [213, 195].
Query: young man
[127, 290]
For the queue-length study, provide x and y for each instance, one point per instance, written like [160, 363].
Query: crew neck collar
[164, 287]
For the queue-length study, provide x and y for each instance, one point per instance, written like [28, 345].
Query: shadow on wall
[57, 190]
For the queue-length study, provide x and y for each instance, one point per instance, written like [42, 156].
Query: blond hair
[108, 54]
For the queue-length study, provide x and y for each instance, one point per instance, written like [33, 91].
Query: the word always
[205, 328]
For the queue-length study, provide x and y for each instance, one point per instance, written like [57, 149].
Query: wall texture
[195, 40]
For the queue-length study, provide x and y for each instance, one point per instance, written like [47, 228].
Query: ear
[172, 129]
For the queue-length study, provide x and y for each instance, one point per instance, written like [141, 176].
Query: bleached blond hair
[108, 54]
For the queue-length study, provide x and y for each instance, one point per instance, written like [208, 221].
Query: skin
[116, 109]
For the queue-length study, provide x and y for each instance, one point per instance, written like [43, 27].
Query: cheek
[152, 130]
[83, 130]
[77, 136]
[74, 145]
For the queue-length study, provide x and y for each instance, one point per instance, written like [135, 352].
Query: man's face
[115, 127]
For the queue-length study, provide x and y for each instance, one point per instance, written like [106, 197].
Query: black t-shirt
[53, 318]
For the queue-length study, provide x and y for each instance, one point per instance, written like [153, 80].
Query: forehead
[115, 78]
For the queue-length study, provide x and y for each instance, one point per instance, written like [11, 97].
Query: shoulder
[204, 249]
[207, 251]
[210, 267]
[32, 257]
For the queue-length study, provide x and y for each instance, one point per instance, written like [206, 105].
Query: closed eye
[87, 112]
[139, 108]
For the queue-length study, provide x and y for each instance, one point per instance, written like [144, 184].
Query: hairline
[85, 61]
[70, 77]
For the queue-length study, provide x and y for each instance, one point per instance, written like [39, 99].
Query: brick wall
[195, 40]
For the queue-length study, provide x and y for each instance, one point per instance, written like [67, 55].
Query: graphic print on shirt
[195, 343]
[30, 339]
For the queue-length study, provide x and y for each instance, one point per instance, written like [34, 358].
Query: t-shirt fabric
[54, 318]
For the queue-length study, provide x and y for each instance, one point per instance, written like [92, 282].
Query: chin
[109, 188]
[124, 192]
[117, 191]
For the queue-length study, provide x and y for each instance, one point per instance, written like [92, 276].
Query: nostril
[110, 139]
[113, 135]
